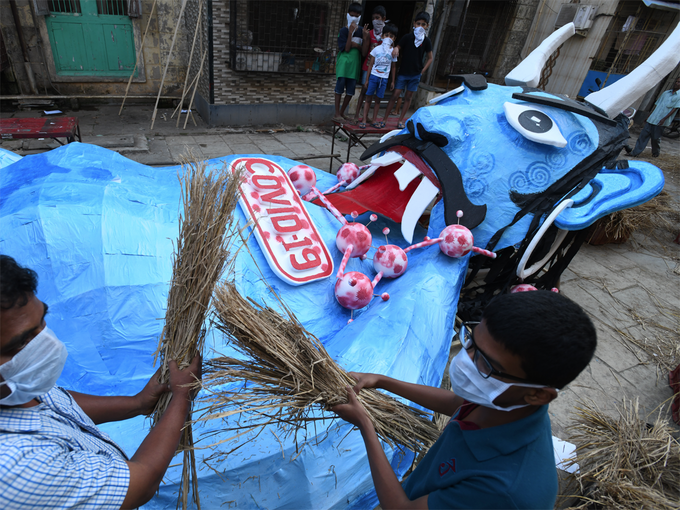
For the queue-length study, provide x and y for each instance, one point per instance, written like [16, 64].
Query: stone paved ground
[631, 290]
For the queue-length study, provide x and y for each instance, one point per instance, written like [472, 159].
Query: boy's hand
[352, 28]
[353, 412]
[391, 86]
[366, 31]
[150, 394]
[364, 381]
[395, 52]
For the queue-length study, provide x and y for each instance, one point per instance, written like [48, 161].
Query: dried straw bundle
[626, 463]
[656, 213]
[286, 373]
[208, 199]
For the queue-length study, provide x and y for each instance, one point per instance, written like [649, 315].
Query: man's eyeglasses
[467, 340]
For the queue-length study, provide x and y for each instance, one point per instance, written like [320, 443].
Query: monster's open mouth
[408, 175]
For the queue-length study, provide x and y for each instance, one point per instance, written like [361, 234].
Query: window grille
[634, 34]
[131, 8]
[65, 6]
[112, 7]
[285, 36]
[475, 36]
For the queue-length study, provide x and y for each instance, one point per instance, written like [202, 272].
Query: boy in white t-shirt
[380, 64]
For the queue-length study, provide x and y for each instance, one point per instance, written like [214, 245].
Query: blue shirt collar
[485, 444]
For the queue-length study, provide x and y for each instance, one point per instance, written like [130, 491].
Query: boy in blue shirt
[496, 452]
[411, 50]
[348, 62]
[380, 65]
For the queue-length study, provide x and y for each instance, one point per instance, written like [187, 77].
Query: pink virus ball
[303, 178]
[347, 172]
[456, 241]
[391, 260]
[355, 234]
[353, 290]
[522, 287]
[385, 296]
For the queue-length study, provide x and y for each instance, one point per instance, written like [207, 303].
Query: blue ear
[610, 191]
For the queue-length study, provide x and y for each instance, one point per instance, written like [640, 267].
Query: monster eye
[534, 125]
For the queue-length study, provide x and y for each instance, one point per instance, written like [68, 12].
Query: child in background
[348, 63]
[412, 48]
[380, 64]
[372, 38]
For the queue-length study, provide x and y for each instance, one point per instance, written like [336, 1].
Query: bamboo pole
[141, 49]
[167, 64]
[191, 103]
[191, 57]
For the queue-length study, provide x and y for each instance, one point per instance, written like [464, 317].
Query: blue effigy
[99, 229]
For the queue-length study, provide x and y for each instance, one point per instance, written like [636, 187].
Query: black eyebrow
[564, 104]
[21, 338]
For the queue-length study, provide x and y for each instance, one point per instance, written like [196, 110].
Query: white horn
[620, 95]
[528, 72]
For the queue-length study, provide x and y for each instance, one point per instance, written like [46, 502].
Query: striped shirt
[53, 456]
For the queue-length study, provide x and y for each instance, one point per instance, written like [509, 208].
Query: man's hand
[353, 412]
[181, 381]
[147, 398]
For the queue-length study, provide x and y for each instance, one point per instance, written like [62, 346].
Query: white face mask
[419, 32]
[34, 370]
[378, 26]
[467, 382]
[352, 19]
[387, 42]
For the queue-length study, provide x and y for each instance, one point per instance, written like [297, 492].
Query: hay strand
[625, 463]
[208, 202]
[286, 374]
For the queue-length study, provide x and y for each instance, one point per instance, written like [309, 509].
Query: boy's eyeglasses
[467, 340]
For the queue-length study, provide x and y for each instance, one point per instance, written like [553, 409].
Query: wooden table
[354, 135]
[42, 127]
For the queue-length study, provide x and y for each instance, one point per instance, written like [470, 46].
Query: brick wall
[247, 87]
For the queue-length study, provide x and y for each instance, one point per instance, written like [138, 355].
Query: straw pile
[625, 463]
[659, 212]
[285, 374]
[208, 200]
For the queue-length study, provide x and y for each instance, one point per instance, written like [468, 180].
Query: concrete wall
[577, 53]
[154, 53]
[511, 52]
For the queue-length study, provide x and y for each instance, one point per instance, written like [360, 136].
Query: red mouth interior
[380, 193]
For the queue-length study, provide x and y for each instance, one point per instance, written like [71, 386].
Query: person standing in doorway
[372, 38]
[348, 63]
[411, 50]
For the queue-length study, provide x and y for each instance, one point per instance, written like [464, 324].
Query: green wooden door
[91, 38]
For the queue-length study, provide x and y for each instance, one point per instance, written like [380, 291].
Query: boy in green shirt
[348, 62]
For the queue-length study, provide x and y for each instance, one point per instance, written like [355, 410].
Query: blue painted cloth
[508, 466]
[663, 106]
[53, 456]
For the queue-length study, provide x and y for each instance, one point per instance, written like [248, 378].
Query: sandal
[378, 125]
[400, 125]
[362, 125]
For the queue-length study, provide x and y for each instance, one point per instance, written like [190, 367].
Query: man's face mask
[34, 370]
